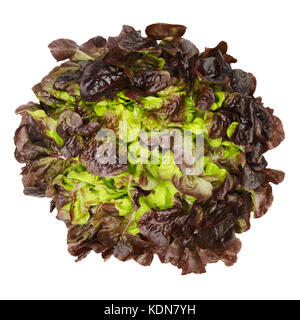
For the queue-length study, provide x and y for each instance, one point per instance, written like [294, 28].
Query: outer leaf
[159, 31]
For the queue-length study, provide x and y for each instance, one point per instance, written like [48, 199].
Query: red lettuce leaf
[100, 80]
[159, 31]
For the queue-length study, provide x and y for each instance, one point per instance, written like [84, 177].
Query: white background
[34, 262]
